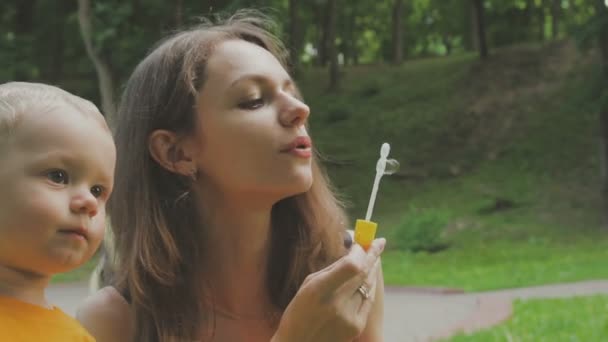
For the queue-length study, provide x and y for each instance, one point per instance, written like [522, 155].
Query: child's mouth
[79, 232]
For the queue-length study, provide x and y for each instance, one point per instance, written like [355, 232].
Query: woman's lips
[300, 147]
[301, 152]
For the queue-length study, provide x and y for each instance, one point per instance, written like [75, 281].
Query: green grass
[575, 319]
[521, 127]
[80, 274]
[499, 265]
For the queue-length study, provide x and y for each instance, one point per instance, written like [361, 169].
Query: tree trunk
[104, 75]
[24, 16]
[179, 13]
[294, 35]
[24, 19]
[602, 13]
[447, 42]
[556, 8]
[398, 32]
[56, 60]
[528, 13]
[323, 24]
[541, 20]
[481, 28]
[331, 46]
[474, 28]
[136, 15]
[349, 38]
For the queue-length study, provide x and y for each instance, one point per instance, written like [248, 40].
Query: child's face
[55, 179]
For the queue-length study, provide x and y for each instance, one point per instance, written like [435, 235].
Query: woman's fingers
[354, 306]
[345, 275]
[369, 268]
[343, 269]
[370, 284]
[329, 300]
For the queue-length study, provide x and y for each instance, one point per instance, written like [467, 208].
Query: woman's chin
[295, 188]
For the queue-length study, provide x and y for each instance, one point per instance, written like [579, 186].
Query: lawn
[578, 319]
[520, 129]
[80, 274]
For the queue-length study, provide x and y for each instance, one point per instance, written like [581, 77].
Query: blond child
[57, 161]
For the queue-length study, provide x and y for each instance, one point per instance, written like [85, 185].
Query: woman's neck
[24, 286]
[236, 257]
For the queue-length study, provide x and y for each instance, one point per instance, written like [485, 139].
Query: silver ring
[364, 291]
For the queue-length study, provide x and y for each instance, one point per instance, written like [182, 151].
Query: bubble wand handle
[372, 199]
[365, 230]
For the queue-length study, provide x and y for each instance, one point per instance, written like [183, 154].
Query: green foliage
[421, 230]
[125, 31]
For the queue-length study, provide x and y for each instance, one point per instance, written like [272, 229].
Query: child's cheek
[45, 210]
[98, 227]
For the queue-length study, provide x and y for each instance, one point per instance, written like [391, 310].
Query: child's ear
[172, 153]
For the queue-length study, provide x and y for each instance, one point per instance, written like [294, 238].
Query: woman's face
[251, 131]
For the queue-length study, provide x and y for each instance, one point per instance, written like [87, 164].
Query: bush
[422, 230]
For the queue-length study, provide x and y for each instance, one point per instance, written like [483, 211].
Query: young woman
[225, 226]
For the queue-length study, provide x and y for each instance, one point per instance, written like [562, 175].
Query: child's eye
[252, 104]
[58, 176]
[97, 191]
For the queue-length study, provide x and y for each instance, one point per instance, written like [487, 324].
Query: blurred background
[497, 111]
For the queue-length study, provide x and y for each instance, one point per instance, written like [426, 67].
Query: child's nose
[84, 203]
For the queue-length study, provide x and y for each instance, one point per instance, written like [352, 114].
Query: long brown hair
[158, 251]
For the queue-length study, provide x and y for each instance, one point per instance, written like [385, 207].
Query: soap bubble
[391, 167]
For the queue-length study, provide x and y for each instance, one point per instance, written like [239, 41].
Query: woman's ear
[172, 153]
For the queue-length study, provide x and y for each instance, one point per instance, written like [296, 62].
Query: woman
[225, 227]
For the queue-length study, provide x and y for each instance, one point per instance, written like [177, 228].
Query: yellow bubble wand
[365, 230]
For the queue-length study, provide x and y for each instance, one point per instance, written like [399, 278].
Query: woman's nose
[295, 113]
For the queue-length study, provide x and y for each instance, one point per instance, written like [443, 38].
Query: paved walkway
[418, 314]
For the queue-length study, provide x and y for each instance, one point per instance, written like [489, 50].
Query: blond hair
[17, 98]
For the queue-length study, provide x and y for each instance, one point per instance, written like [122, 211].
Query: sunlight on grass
[574, 319]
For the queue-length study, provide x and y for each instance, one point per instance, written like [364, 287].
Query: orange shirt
[24, 322]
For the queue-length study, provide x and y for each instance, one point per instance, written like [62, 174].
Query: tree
[56, 61]
[479, 16]
[541, 20]
[104, 75]
[602, 20]
[398, 32]
[322, 18]
[179, 13]
[24, 24]
[332, 48]
[556, 9]
[294, 34]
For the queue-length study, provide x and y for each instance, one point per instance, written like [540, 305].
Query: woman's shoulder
[106, 315]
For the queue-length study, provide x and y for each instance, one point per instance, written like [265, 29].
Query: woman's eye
[58, 176]
[97, 191]
[252, 104]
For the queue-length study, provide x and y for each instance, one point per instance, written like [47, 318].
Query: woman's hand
[333, 304]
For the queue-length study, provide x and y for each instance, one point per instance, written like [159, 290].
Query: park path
[418, 314]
